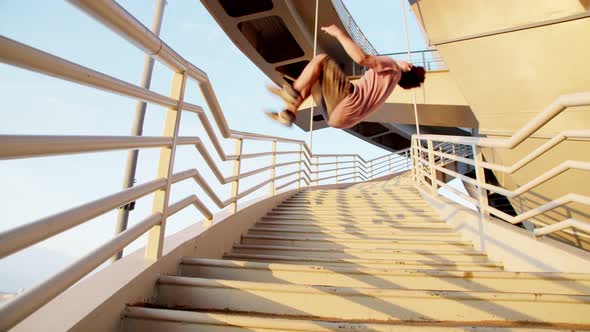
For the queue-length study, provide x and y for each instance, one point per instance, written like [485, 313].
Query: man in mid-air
[346, 103]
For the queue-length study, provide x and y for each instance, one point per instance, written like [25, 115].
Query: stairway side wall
[519, 250]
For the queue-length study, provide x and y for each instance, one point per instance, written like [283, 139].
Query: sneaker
[288, 94]
[285, 117]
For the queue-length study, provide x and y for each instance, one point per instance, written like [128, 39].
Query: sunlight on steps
[370, 257]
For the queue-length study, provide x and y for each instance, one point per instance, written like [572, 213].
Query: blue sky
[31, 103]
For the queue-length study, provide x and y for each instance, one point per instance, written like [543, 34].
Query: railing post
[354, 170]
[165, 167]
[317, 170]
[337, 181]
[481, 178]
[424, 62]
[431, 165]
[413, 147]
[272, 170]
[408, 155]
[389, 163]
[371, 169]
[137, 130]
[299, 167]
[235, 184]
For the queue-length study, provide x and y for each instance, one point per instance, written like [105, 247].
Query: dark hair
[413, 78]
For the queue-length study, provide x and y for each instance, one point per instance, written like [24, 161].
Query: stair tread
[350, 219]
[355, 232]
[376, 250]
[239, 264]
[376, 223]
[380, 292]
[392, 261]
[253, 321]
[391, 240]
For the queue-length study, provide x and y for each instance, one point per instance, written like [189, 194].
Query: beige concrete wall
[515, 247]
[509, 78]
[456, 18]
[574, 181]
[439, 88]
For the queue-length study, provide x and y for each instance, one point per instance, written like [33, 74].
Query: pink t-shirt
[370, 92]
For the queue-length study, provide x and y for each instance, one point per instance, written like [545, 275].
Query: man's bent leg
[309, 76]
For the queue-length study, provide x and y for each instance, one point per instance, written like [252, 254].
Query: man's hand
[404, 65]
[332, 30]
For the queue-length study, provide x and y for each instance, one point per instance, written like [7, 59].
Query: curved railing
[328, 168]
[429, 59]
[424, 158]
[352, 28]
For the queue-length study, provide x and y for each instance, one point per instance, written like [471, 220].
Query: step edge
[369, 292]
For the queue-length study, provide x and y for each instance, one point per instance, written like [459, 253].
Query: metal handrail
[352, 28]
[26, 146]
[429, 59]
[424, 158]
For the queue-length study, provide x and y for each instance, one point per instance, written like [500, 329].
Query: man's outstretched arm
[353, 50]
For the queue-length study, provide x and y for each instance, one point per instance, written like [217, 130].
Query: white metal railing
[427, 161]
[311, 168]
[352, 28]
[429, 59]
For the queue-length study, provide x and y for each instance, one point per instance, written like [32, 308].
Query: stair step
[355, 227]
[351, 234]
[336, 208]
[373, 201]
[376, 263]
[356, 202]
[355, 213]
[498, 281]
[407, 219]
[377, 222]
[377, 305]
[400, 254]
[300, 241]
[156, 320]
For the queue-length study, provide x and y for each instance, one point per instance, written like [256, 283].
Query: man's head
[412, 78]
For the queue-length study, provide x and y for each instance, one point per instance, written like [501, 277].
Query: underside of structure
[277, 36]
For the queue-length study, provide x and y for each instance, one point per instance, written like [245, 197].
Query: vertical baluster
[272, 170]
[166, 166]
[389, 163]
[235, 185]
[337, 181]
[317, 170]
[299, 167]
[354, 168]
[371, 169]
[431, 165]
[481, 178]
[413, 147]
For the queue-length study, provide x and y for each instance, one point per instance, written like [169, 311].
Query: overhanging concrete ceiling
[277, 36]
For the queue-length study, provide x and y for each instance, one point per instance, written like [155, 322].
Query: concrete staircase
[371, 257]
